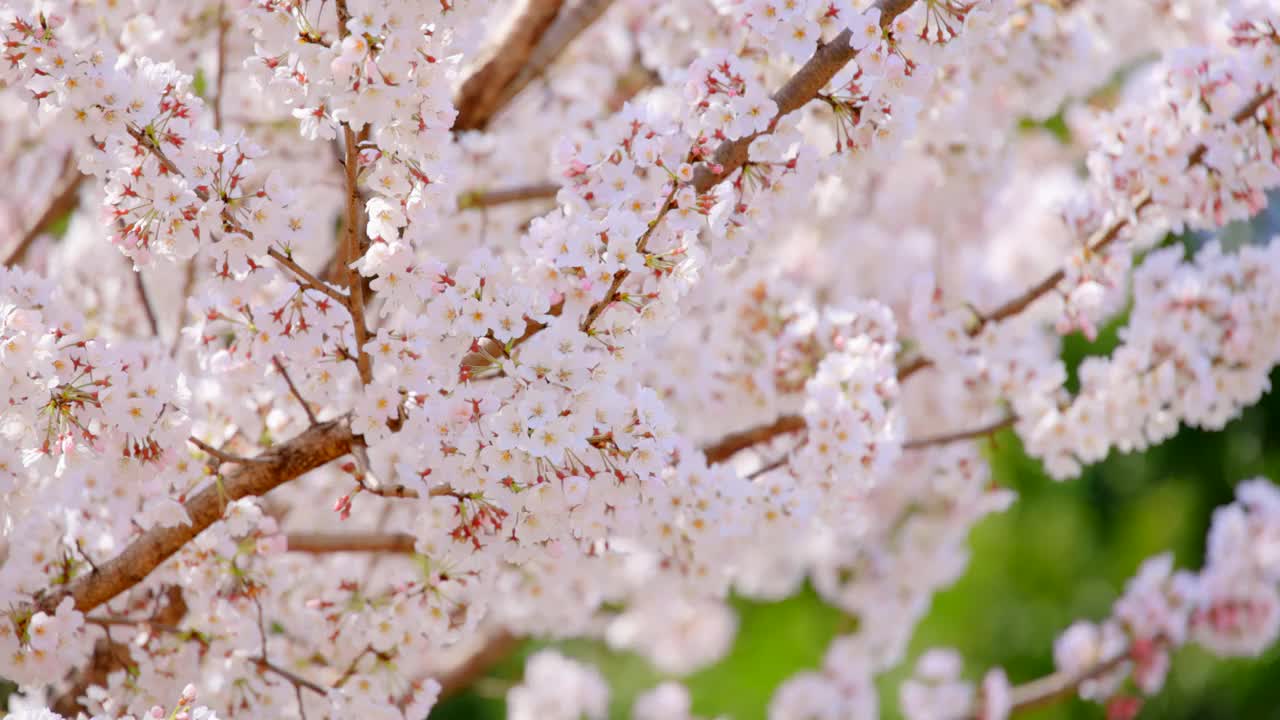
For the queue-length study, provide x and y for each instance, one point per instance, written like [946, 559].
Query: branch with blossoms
[731, 155]
[1095, 244]
[803, 87]
[724, 448]
[534, 418]
[1227, 608]
[311, 449]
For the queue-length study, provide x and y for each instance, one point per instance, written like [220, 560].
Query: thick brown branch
[64, 201]
[496, 648]
[829, 59]
[309, 450]
[567, 27]
[532, 62]
[323, 542]
[729, 445]
[353, 250]
[481, 94]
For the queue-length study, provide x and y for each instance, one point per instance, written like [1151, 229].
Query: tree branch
[188, 284]
[948, 438]
[307, 280]
[64, 201]
[293, 389]
[292, 678]
[109, 656]
[310, 449]
[481, 94]
[222, 65]
[1099, 241]
[829, 59]
[145, 300]
[477, 198]
[1058, 686]
[597, 309]
[352, 250]
[567, 27]
[729, 445]
[318, 543]
[497, 647]
[220, 455]
[528, 62]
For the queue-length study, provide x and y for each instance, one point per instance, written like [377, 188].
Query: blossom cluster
[316, 399]
[1231, 607]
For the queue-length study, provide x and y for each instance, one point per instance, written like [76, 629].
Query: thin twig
[307, 280]
[319, 543]
[1059, 686]
[188, 283]
[351, 667]
[145, 300]
[1096, 243]
[293, 678]
[134, 622]
[1107, 236]
[594, 312]
[220, 455]
[948, 438]
[304, 278]
[222, 56]
[730, 445]
[768, 467]
[478, 199]
[306, 407]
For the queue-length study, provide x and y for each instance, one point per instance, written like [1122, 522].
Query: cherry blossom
[325, 380]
